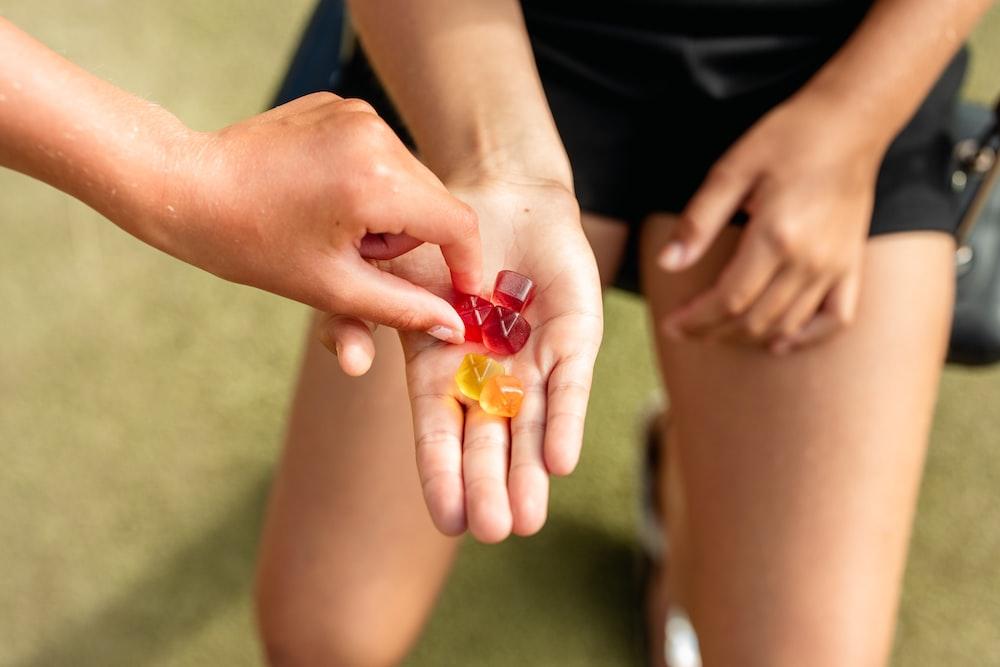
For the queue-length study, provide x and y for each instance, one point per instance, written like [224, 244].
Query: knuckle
[788, 328]
[482, 443]
[783, 237]
[570, 387]
[324, 96]
[355, 105]
[468, 221]
[533, 428]
[368, 132]
[734, 302]
[754, 327]
[404, 320]
[431, 440]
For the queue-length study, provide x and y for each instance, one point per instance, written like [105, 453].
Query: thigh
[800, 473]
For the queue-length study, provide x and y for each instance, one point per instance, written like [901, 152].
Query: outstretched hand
[485, 473]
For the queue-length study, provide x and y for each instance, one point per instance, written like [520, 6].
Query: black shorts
[648, 95]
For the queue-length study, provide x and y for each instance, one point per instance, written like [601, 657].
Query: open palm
[486, 473]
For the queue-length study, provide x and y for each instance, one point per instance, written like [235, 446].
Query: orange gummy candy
[502, 396]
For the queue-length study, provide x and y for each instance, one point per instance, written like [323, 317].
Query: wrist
[163, 184]
[849, 124]
[485, 158]
[864, 119]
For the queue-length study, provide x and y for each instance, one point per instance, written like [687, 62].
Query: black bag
[975, 331]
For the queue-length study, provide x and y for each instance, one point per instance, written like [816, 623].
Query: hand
[488, 473]
[298, 200]
[807, 185]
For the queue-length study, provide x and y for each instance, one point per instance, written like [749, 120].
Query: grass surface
[141, 403]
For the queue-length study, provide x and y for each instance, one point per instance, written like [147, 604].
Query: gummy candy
[505, 331]
[502, 396]
[473, 310]
[512, 290]
[473, 373]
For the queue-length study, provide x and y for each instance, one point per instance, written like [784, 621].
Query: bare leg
[338, 580]
[350, 562]
[800, 474]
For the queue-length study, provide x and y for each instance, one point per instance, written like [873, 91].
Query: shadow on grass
[569, 595]
[201, 579]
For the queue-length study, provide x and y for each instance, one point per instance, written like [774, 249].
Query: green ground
[141, 403]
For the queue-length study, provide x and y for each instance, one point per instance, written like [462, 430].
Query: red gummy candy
[473, 310]
[512, 290]
[505, 331]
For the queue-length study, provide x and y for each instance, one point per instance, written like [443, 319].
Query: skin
[346, 521]
[797, 475]
[297, 201]
[795, 279]
[516, 176]
[791, 483]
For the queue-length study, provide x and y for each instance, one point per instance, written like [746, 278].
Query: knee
[306, 630]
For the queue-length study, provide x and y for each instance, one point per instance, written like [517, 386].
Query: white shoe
[680, 643]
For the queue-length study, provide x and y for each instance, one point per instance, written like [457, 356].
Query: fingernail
[339, 349]
[672, 256]
[446, 334]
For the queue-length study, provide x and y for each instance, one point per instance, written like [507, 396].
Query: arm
[464, 79]
[889, 64]
[294, 201]
[805, 173]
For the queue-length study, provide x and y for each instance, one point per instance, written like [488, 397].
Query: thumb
[350, 340]
[383, 298]
[710, 209]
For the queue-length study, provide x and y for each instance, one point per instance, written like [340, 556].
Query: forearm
[884, 71]
[463, 76]
[82, 135]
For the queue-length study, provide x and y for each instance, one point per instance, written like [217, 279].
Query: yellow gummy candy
[502, 396]
[475, 370]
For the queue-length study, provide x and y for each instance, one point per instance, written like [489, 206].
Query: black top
[726, 47]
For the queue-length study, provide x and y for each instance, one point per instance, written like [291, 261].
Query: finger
[433, 215]
[804, 309]
[751, 269]
[566, 410]
[838, 311]
[438, 422]
[763, 315]
[528, 479]
[378, 296]
[386, 246]
[484, 468]
[714, 204]
[351, 340]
